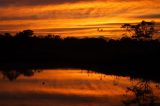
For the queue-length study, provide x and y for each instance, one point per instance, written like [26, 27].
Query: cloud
[12, 27]
[74, 14]
[37, 2]
[80, 13]
[148, 16]
[32, 17]
[54, 2]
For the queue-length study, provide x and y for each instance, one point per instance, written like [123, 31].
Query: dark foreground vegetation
[135, 57]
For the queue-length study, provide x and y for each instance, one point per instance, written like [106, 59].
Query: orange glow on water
[77, 82]
[66, 87]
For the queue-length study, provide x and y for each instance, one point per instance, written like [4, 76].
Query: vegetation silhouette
[143, 95]
[24, 34]
[135, 57]
[14, 74]
[141, 30]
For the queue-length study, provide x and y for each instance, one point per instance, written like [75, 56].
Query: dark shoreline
[137, 58]
[134, 72]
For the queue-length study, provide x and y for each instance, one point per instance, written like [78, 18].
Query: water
[74, 87]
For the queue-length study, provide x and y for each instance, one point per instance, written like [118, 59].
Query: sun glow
[38, 16]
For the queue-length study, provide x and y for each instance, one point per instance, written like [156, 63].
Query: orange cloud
[74, 13]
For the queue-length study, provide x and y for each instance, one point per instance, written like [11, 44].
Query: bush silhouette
[25, 34]
[141, 30]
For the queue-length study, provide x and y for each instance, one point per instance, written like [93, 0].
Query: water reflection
[14, 74]
[142, 94]
[73, 87]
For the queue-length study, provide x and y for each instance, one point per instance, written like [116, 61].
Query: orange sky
[75, 17]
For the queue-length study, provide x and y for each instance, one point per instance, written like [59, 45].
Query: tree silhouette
[25, 34]
[7, 35]
[14, 74]
[141, 30]
[142, 94]
[11, 75]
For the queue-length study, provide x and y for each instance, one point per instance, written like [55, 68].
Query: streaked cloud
[36, 2]
[149, 16]
[50, 14]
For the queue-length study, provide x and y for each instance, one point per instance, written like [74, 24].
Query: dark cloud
[109, 25]
[32, 17]
[11, 26]
[36, 2]
[64, 29]
[149, 16]
[54, 14]
[50, 2]
[75, 29]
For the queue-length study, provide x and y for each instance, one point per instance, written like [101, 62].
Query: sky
[75, 17]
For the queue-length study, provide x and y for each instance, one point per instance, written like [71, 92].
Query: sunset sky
[75, 17]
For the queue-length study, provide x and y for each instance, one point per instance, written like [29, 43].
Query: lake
[74, 87]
